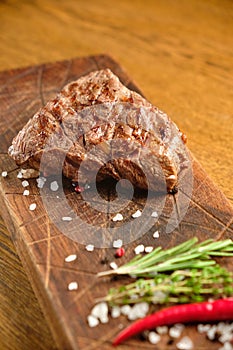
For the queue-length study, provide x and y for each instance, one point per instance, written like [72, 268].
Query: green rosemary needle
[187, 255]
[182, 286]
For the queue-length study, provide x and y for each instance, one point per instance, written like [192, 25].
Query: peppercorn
[120, 252]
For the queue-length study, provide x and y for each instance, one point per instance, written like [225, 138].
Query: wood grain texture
[181, 55]
[41, 245]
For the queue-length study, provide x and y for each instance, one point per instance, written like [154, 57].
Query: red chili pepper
[218, 310]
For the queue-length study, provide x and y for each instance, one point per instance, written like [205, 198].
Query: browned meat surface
[98, 119]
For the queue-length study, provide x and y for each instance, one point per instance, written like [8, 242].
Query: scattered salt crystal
[156, 234]
[20, 175]
[92, 321]
[139, 249]
[90, 247]
[113, 265]
[185, 344]
[225, 337]
[211, 332]
[202, 328]
[54, 186]
[26, 192]
[25, 183]
[115, 312]
[117, 217]
[118, 243]
[226, 346]
[143, 307]
[179, 326]
[148, 249]
[70, 258]
[223, 327]
[154, 337]
[4, 174]
[154, 214]
[100, 311]
[104, 319]
[133, 315]
[66, 218]
[125, 309]
[73, 286]
[40, 182]
[29, 173]
[138, 311]
[175, 332]
[162, 329]
[137, 214]
[32, 206]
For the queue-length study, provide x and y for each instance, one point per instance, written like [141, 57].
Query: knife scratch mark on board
[221, 233]
[48, 254]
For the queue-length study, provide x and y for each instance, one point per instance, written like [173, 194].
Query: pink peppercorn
[120, 252]
[79, 189]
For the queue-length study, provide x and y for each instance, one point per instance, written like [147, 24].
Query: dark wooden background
[181, 57]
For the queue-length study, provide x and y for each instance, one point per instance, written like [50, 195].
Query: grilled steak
[121, 134]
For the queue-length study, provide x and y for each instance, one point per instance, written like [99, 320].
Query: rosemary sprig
[182, 286]
[187, 255]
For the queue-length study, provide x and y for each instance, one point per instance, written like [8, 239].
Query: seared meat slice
[98, 119]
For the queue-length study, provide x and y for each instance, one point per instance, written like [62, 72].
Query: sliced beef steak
[113, 131]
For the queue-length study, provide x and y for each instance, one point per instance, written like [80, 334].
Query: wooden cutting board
[43, 248]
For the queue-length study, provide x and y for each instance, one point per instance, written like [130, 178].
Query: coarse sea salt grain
[20, 175]
[54, 186]
[113, 265]
[137, 214]
[29, 173]
[202, 328]
[40, 182]
[32, 206]
[211, 332]
[138, 311]
[148, 249]
[115, 312]
[156, 234]
[154, 337]
[90, 247]
[117, 217]
[25, 183]
[71, 257]
[26, 192]
[4, 174]
[73, 286]
[185, 343]
[154, 214]
[92, 321]
[118, 243]
[100, 311]
[66, 218]
[225, 337]
[226, 346]
[139, 249]
[175, 332]
[162, 329]
[125, 309]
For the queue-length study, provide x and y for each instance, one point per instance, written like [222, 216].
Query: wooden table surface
[181, 56]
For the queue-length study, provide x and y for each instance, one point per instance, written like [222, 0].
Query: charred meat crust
[158, 142]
